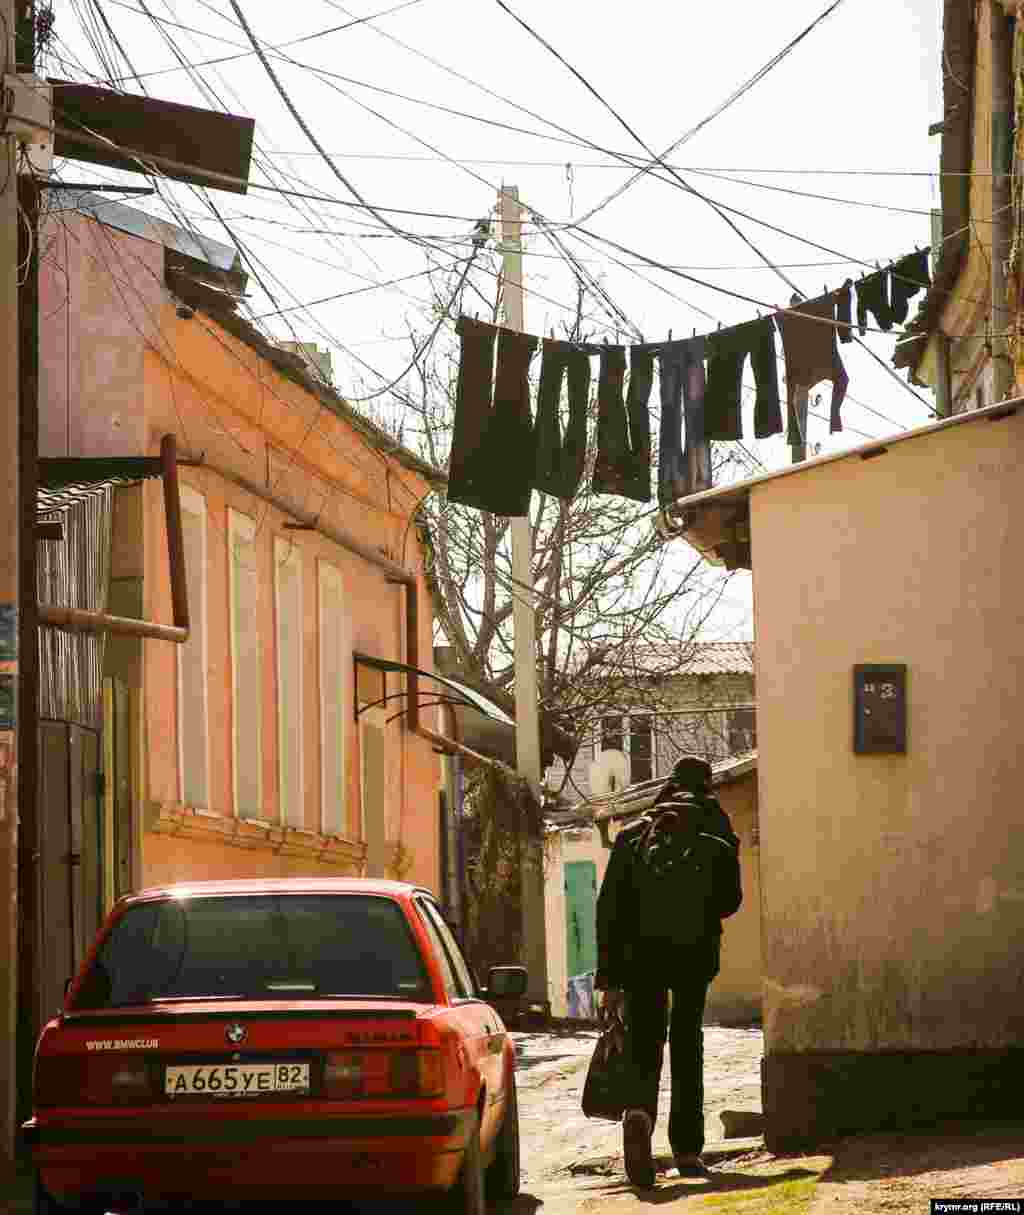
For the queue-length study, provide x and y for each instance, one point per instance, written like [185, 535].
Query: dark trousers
[647, 1020]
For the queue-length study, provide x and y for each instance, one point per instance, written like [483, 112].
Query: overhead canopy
[65, 481]
[456, 693]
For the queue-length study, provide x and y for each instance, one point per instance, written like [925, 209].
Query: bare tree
[605, 585]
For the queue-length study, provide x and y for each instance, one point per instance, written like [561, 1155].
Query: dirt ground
[572, 1164]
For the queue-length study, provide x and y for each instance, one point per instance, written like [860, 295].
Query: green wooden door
[580, 917]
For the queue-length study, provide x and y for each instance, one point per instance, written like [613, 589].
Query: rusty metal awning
[63, 482]
[216, 147]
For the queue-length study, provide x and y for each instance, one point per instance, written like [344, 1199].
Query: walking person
[672, 877]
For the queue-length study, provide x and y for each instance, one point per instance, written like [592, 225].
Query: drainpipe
[1002, 215]
[396, 574]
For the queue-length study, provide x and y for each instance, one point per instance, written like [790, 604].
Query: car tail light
[383, 1073]
[68, 1080]
[417, 1073]
[344, 1075]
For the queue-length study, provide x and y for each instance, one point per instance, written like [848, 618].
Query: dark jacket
[621, 948]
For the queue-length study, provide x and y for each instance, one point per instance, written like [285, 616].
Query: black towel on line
[493, 456]
[682, 469]
[561, 457]
[623, 463]
[873, 297]
[909, 276]
[727, 352]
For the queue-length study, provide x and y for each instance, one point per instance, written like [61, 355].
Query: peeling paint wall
[893, 884]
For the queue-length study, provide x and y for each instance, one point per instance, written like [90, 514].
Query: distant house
[695, 699]
[576, 856]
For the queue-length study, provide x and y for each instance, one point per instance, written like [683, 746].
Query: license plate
[235, 1079]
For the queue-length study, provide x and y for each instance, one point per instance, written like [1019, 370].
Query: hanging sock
[812, 355]
[493, 445]
[682, 469]
[560, 458]
[727, 352]
[623, 464]
[908, 277]
[844, 311]
[873, 297]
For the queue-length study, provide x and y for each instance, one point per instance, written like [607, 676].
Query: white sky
[857, 94]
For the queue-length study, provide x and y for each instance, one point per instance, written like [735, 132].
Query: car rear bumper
[267, 1158]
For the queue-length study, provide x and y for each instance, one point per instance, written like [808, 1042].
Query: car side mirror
[506, 982]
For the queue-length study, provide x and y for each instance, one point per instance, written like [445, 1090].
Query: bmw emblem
[236, 1033]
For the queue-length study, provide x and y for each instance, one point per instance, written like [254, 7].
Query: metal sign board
[880, 708]
[203, 139]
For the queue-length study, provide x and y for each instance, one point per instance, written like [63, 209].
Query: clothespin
[695, 331]
[719, 324]
[670, 335]
[552, 332]
[827, 289]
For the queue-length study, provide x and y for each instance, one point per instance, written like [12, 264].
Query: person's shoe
[689, 1164]
[636, 1147]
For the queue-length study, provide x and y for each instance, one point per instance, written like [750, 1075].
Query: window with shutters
[246, 669]
[332, 700]
[193, 734]
[288, 614]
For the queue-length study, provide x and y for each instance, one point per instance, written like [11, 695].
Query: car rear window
[270, 947]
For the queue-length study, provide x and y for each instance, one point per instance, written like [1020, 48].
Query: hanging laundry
[909, 276]
[812, 355]
[727, 352]
[493, 452]
[561, 457]
[844, 310]
[682, 470]
[623, 464]
[873, 297]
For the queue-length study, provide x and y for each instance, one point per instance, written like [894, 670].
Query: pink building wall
[119, 369]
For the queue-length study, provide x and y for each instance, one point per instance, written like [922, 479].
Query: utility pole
[9, 597]
[30, 940]
[525, 634]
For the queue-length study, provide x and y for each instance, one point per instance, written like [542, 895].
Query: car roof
[302, 885]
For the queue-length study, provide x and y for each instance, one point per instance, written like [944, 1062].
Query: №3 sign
[880, 708]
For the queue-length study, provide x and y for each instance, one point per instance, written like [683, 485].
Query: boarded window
[193, 745]
[288, 594]
[247, 676]
[640, 747]
[332, 700]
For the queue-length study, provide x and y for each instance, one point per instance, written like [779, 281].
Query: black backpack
[674, 876]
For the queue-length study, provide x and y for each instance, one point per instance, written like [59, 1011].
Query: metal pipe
[79, 620]
[1002, 212]
[175, 539]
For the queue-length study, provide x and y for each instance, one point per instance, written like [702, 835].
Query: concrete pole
[1002, 215]
[9, 594]
[525, 632]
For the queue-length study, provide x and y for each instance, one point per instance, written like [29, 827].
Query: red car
[280, 1041]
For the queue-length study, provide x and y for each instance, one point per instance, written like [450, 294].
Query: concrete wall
[735, 996]
[893, 884]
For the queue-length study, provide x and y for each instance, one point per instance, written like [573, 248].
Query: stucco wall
[134, 370]
[893, 885]
[735, 996]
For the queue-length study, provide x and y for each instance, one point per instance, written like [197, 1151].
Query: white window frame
[287, 554]
[194, 503]
[329, 576]
[242, 527]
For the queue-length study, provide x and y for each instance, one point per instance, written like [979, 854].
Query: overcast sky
[845, 115]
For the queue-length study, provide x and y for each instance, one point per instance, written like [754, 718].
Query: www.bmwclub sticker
[123, 1044]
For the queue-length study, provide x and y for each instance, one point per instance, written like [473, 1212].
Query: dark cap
[692, 774]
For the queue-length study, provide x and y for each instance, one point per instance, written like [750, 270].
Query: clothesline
[500, 454]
